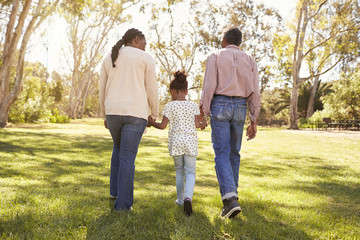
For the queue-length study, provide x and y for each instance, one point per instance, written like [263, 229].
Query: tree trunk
[293, 107]
[4, 114]
[85, 94]
[310, 108]
[297, 61]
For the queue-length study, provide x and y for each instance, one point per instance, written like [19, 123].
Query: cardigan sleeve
[152, 88]
[102, 86]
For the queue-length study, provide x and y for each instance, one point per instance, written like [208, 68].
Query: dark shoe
[187, 206]
[231, 207]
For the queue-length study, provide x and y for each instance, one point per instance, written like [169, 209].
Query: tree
[175, 47]
[33, 102]
[89, 24]
[343, 102]
[23, 18]
[57, 88]
[321, 28]
[274, 105]
[305, 96]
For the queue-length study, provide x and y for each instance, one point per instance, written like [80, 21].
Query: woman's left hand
[150, 121]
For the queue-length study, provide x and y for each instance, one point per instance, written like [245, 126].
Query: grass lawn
[54, 184]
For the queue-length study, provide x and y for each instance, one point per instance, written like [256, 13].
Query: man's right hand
[105, 124]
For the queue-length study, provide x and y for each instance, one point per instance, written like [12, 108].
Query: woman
[128, 92]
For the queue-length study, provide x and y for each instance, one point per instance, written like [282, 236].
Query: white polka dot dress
[182, 131]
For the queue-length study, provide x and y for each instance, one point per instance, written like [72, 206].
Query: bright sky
[285, 7]
[55, 37]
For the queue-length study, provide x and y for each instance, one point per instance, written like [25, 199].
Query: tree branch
[317, 12]
[321, 73]
[329, 38]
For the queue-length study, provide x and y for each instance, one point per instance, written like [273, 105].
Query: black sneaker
[187, 206]
[231, 208]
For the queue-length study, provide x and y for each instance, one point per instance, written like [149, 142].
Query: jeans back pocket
[220, 111]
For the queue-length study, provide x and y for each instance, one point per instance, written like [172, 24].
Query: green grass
[54, 185]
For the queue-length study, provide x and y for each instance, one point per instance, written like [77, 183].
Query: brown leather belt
[228, 96]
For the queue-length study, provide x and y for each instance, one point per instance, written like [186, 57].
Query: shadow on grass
[325, 177]
[252, 224]
[334, 185]
[68, 179]
[161, 219]
[151, 219]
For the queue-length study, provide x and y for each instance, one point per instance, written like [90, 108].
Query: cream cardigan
[129, 89]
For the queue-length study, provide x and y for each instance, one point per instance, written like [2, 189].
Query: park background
[308, 57]
[294, 184]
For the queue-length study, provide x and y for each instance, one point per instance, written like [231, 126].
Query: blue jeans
[126, 132]
[185, 167]
[227, 123]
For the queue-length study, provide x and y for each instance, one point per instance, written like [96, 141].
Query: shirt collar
[232, 46]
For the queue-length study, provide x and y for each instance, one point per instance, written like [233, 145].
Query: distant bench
[350, 124]
[276, 122]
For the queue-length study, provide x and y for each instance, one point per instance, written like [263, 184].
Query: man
[231, 85]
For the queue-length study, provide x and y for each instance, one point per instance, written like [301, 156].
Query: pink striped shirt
[231, 72]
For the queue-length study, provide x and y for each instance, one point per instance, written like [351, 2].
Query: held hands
[202, 119]
[203, 122]
[251, 131]
[150, 122]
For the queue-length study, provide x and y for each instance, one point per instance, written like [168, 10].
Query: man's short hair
[233, 36]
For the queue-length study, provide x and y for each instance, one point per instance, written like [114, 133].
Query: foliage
[305, 123]
[54, 184]
[56, 117]
[56, 88]
[32, 105]
[275, 102]
[319, 115]
[343, 103]
[39, 99]
[21, 21]
[283, 50]
[274, 105]
[323, 89]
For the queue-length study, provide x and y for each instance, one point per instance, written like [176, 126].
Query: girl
[184, 118]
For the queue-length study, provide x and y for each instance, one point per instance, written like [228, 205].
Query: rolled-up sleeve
[254, 99]
[209, 85]
[151, 88]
